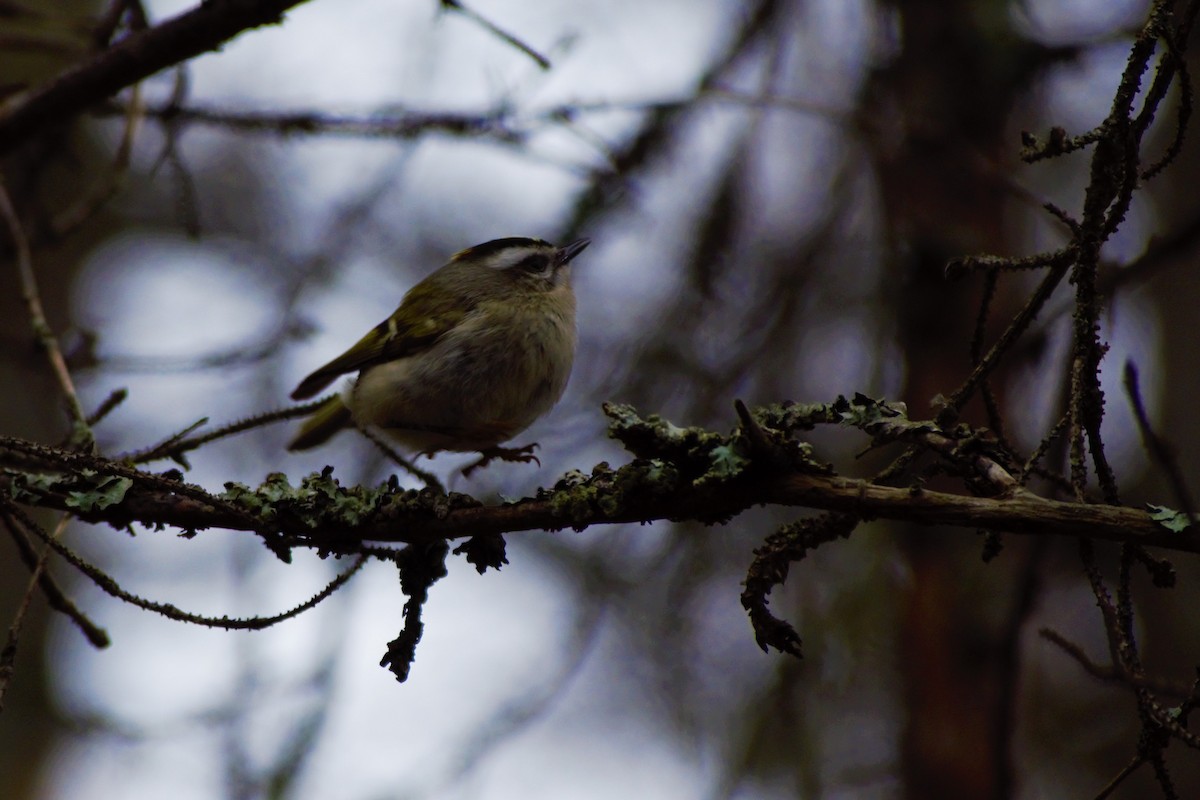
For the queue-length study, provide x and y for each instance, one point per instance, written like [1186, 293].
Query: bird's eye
[536, 263]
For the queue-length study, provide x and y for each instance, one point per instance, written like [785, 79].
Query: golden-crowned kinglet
[475, 353]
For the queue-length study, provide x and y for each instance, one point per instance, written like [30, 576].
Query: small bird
[476, 352]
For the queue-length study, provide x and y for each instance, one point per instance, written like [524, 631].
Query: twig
[428, 478]
[114, 399]
[398, 124]
[81, 434]
[176, 445]
[1114, 673]
[109, 586]
[1059, 264]
[104, 188]
[790, 543]
[56, 598]
[455, 5]
[1120, 777]
[186, 202]
[8, 654]
[1159, 450]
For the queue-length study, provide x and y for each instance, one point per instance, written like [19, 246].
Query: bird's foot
[523, 455]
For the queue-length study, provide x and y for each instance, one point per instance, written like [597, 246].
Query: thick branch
[1022, 513]
[134, 58]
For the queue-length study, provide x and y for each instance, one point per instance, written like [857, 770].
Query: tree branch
[134, 58]
[628, 494]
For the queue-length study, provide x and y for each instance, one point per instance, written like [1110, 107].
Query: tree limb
[134, 58]
[628, 495]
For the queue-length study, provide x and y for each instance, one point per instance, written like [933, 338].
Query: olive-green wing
[329, 418]
[423, 318]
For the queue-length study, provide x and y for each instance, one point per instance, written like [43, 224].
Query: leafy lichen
[705, 458]
[108, 492]
[85, 490]
[321, 502]
[1169, 518]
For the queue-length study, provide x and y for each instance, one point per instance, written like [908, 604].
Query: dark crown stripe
[496, 245]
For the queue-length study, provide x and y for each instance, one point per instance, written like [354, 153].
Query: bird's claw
[523, 455]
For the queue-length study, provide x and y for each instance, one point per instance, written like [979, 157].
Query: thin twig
[1114, 673]
[82, 433]
[114, 399]
[1059, 265]
[1120, 777]
[475, 16]
[1159, 450]
[175, 445]
[104, 188]
[109, 586]
[56, 598]
[428, 478]
[9, 653]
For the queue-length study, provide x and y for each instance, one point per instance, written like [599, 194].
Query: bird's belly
[454, 397]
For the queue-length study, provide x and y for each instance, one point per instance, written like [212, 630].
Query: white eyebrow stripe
[510, 257]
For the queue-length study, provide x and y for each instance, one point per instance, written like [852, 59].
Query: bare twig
[475, 16]
[1159, 450]
[107, 185]
[1120, 777]
[392, 124]
[428, 478]
[82, 433]
[55, 596]
[1114, 673]
[114, 399]
[109, 586]
[175, 446]
[8, 654]
[1059, 264]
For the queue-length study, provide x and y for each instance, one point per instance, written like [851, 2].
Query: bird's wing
[429, 318]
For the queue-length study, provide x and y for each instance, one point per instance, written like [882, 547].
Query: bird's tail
[329, 418]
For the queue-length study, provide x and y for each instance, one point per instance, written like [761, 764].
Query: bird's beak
[565, 254]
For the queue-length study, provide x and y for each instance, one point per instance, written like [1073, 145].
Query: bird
[475, 353]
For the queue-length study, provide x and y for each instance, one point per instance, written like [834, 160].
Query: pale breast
[478, 386]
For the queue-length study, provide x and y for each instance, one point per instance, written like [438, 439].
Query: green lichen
[609, 493]
[29, 487]
[656, 437]
[860, 412]
[863, 411]
[704, 458]
[108, 492]
[790, 418]
[698, 455]
[1169, 518]
[321, 502]
[85, 490]
[727, 462]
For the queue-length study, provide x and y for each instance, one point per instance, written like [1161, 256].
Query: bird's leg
[523, 455]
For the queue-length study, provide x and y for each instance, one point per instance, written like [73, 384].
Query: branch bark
[134, 58]
[403, 521]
